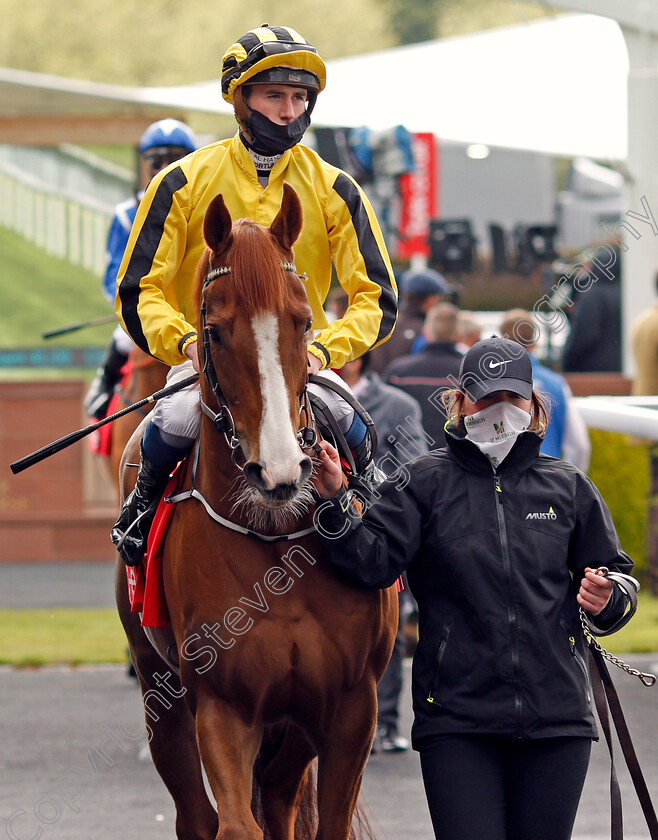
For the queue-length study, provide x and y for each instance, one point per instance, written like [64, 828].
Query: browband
[226, 269]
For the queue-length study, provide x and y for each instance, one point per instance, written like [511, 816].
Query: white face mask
[494, 429]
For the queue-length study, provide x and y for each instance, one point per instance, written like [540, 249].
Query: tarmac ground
[71, 766]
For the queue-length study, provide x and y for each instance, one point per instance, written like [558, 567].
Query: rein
[224, 423]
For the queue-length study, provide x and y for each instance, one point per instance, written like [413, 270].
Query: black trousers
[487, 787]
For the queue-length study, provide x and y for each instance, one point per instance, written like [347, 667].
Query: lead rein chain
[645, 678]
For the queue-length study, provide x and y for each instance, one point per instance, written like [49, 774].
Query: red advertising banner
[418, 191]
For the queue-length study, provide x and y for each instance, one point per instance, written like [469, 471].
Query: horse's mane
[256, 273]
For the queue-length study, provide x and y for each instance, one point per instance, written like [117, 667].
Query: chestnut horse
[279, 658]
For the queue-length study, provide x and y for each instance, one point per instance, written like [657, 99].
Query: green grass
[40, 292]
[641, 633]
[621, 471]
[31, 638]
[122, 155]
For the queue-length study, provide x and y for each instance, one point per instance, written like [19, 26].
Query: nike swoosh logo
[493, 364]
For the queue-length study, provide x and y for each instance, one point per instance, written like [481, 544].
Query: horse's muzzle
[275, 486]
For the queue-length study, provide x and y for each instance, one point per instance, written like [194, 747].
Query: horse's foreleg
[283, 783]
[172, 737]
[228, 749]
[342, 760]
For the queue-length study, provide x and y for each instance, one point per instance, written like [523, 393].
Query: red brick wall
[62, 508]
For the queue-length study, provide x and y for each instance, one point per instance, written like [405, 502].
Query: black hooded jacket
[494, 560]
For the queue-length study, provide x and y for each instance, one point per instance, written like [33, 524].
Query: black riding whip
[95, 322]
[73, 437]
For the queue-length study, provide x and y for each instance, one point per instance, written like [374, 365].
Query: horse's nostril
[253, 472]
[305, 467]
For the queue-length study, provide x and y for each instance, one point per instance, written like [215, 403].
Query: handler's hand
[192, 352]
[328, 475]
[594, 593]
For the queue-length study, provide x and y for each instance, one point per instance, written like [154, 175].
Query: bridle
[223, 419]
[224, 423]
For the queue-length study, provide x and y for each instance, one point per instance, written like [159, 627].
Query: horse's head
[255, 319]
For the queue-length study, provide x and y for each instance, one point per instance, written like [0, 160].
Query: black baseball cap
[495, 364]
[424, 282]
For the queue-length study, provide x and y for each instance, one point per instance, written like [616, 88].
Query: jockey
[162, 143]
[272, 77]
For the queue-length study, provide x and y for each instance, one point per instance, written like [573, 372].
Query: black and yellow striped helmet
[274, 54]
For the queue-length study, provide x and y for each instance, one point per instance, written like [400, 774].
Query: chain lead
[646, 679]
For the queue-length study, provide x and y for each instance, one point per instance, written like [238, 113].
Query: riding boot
[102, 387]
[131, 530]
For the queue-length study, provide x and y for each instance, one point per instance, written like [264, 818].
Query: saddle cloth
[100, 441]
[145, 584]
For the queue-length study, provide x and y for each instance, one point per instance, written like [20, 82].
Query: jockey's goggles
[157, 159]
[286, 76]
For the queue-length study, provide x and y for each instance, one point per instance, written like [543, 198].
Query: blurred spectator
[566, 435]
[644, 340]
[425, 375]
[419, 291]
[594, 342]
[468, 330]
[336, 304]
[397, 418]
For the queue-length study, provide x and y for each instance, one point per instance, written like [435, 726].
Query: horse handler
[501, 546]
[271, 76]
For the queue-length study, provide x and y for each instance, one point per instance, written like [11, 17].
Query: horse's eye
[214, 334]
[309, 324]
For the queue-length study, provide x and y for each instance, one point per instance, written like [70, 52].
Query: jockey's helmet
[275, 54]
[168, 133]
[165, 142]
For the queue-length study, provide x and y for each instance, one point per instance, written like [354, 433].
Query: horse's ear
[288, 223]
[217, 225]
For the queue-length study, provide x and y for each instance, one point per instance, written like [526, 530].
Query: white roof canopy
[557, 85]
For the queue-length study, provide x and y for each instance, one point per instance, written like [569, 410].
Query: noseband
[223, 419]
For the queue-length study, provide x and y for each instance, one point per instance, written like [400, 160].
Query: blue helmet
[167, 133]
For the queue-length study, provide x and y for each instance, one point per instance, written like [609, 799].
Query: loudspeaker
[452, 245]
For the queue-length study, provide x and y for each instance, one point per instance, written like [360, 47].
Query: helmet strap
[242, 112]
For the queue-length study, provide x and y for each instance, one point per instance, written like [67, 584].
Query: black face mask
[272, 139]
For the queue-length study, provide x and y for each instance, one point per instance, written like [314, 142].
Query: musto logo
[549, 514]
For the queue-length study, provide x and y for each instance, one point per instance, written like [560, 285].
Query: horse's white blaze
[280, 454]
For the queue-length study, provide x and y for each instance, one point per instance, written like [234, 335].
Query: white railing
[636, 416]
[65, 225]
